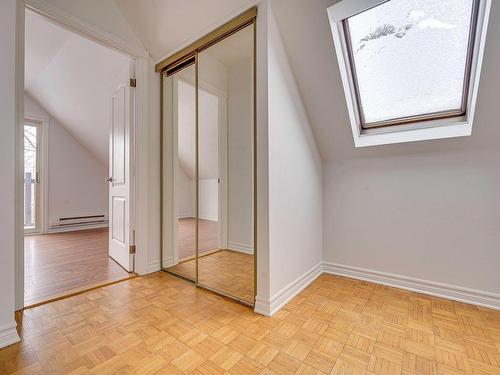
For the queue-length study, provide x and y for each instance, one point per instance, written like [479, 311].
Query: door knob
[109, 179]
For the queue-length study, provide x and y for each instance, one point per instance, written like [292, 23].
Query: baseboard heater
[77, 221]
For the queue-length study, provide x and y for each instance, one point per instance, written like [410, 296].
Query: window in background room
[31, 176]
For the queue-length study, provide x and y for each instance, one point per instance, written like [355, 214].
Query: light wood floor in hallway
[159, 324]
[62, 263]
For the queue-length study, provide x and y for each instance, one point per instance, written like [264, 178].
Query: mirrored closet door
[208, 166]
[180, 166]
[225, 92]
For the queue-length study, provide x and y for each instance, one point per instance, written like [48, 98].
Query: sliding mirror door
[179, 165]
[226, 166]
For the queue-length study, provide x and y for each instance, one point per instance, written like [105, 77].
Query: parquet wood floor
[159, 324]
[208, 232]
[225, 270]
[62, 263]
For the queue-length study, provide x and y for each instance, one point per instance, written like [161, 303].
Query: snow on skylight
[410, 57]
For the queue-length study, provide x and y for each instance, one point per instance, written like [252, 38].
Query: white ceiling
[74, 79]
[165, 25]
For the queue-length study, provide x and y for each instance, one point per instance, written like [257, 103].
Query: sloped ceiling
[165, 25]
[74, 79]
[307, 37]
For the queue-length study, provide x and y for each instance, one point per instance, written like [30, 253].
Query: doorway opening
[78, 188]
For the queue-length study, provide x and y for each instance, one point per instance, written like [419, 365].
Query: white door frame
[140, 146]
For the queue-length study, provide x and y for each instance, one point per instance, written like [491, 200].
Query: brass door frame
[173, 63]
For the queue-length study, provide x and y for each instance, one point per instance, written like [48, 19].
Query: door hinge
[133, 82]
[131, 249]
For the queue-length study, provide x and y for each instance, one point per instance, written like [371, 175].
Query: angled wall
[295, 183]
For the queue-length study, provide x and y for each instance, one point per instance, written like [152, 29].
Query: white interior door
[121, 239]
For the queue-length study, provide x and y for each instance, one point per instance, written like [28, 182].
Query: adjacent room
[265, 187]
[69, 85]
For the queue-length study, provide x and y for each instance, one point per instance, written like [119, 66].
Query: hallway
[63, 263]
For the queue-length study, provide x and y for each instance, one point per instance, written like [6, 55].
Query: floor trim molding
[76, 227]
[242, 248]
[452, 292]
[281, 298]
[8, 335]
[271, 306]
[152, 267]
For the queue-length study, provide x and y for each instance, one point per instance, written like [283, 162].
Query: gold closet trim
[236, 24]
[178, 61]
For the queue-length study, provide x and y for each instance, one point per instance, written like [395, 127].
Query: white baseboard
[8, 335]
[73, 228]
[280, 299]
[152, 267]
[269, 307]
[452, 292]
[188, 216]
[208, 218]
[242, 248]
[167, 262]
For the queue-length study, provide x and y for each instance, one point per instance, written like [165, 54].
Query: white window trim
[423, 130]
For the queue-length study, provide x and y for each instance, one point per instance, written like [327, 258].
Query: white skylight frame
[418, 129]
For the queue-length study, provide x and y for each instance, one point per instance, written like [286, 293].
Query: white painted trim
[83, 28]
[141, 179]
[223, 187]
[19, 181]
[452, 292]
[209, 29]
[8, 335]
[152, 267]
[75, 228]
[281, 298]
[240, 247]
[447, 128]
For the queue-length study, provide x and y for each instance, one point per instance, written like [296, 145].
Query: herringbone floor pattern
[162, 325]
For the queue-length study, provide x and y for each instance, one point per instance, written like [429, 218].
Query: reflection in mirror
[179, 128]
[226, 196]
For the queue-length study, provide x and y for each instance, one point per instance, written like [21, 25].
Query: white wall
[9, 118]
[208, 203]
[427, 210]
[432, 216]
[240, 154]
[76, 178]
[185, 194]
[295, 177]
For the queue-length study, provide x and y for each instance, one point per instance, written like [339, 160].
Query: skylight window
[409, 64]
